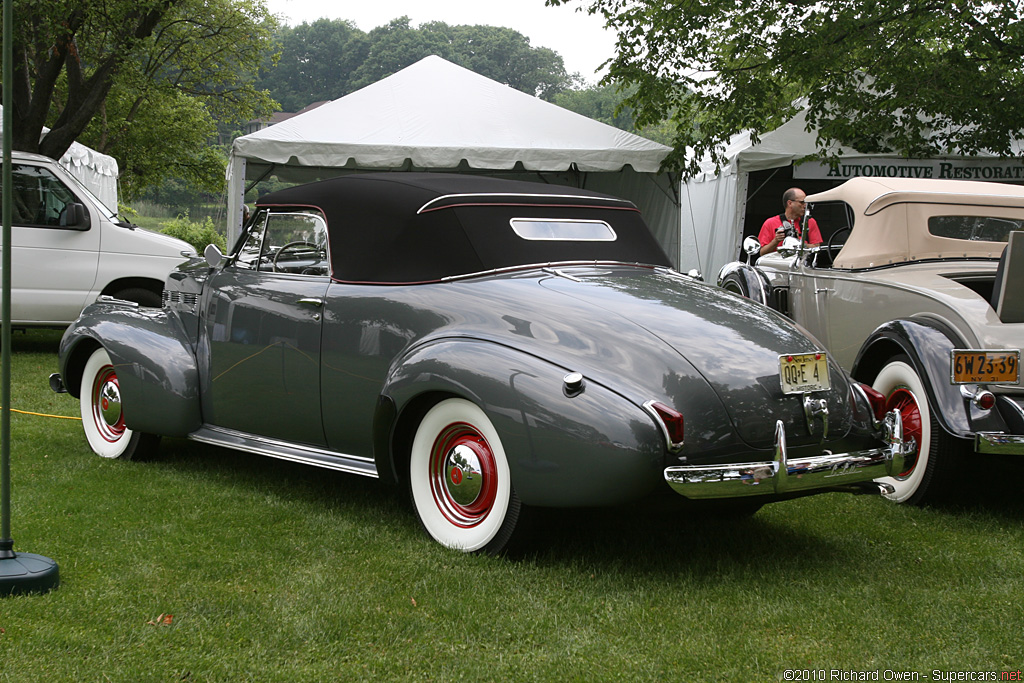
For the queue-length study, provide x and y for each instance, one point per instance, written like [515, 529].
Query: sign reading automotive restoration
[1006, 170]
[800, 373]
[970, 366]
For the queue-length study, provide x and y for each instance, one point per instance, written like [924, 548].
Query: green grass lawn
[210, 565]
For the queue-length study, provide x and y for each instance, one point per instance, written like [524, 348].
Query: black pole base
[27, 573]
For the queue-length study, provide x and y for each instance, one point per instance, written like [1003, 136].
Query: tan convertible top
[891, 218]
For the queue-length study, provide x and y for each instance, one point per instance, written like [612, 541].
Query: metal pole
[19, 572]
[6, 543]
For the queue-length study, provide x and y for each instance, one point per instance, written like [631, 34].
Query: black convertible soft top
[422, 227]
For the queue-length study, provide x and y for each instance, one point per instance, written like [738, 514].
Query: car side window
[248, 256]
[39, 198]
[977, 228]
[286, 242]
[832, 216]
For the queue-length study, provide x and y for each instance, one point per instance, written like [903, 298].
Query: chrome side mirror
[751, 247]
[213, 255]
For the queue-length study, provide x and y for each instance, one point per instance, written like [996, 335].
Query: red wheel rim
[905, 402]
[106, 405]
[463, 475]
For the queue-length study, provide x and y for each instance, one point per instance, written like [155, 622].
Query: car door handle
[822, 290]
[316, 303]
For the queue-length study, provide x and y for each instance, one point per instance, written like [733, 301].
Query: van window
[39, 198]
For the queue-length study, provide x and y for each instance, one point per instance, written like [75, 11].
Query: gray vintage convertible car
[919, 290]
[490, 344]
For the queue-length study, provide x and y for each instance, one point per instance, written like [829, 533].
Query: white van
[68, 248]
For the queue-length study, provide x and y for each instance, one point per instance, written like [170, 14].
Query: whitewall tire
[102, 416]
[926, 473]
[459, 479]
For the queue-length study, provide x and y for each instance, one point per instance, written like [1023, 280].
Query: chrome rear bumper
[782, 475]
[999, 443]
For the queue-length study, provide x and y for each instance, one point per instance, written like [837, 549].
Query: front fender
[564, 448]
[752, 282]
[156, 368]
[928, 344]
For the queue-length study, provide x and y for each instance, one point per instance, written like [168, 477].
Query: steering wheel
[834, 246]
[296, 245]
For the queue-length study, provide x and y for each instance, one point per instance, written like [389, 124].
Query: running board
[307, 455]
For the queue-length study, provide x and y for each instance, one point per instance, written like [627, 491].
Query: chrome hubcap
[463, 474]
[106, 405]
[904, 401]
[110, 402]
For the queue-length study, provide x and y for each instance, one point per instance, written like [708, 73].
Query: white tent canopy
[435, 115]
[97, 171]
[714, 202]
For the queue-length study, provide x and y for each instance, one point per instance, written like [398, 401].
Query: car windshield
[974, 228]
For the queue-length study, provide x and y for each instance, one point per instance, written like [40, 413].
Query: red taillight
[986, 400]
[876, 399]
[671, 421]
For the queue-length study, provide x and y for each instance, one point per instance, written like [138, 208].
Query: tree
[506, 56]
[135, 78]
[397, 45]
[919, 77]
[329, 59]
[314, 62]
[604, 103]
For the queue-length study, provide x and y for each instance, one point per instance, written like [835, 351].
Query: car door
[261, 373]
[810, 291]
[53, 265]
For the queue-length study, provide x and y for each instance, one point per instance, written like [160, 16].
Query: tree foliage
[331, 58]
[313, 62]
[197, 233]
[916, 77]
[142, 80]
[604, 103]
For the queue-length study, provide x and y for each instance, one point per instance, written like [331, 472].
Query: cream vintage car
[917, 291]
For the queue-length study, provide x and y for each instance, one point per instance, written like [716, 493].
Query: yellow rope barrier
[58, 417]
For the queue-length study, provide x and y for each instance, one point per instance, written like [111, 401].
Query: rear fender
[927, 343]
[564, 448]
[156, 367]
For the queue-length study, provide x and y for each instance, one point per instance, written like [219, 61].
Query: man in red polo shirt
[773, 231]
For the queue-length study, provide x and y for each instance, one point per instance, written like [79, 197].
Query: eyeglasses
[798, 201]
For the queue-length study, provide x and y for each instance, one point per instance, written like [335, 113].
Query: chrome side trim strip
[282, 450]
[784, 474]
[520, 195]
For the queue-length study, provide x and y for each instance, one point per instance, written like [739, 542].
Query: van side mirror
[213, 255]
[75, 217]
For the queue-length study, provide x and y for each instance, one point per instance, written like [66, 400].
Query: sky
[579, 38]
